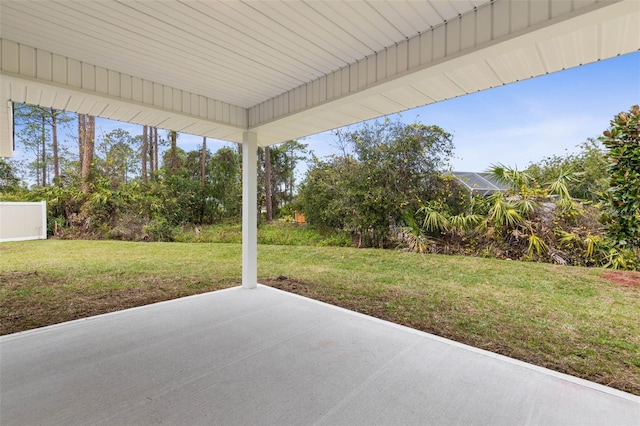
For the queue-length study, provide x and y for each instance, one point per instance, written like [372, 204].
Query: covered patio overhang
[260, 73]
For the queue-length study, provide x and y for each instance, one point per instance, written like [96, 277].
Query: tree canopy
[622, 198]
[385, 169]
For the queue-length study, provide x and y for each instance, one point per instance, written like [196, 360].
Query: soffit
[287, 69]
[241, 53]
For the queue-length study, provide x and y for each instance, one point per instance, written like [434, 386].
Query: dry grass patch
[44, 283]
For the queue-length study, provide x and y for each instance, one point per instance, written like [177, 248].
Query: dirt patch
[369, 305]
[623, 278]
[288, 284]
[11, 276]
[32, 299]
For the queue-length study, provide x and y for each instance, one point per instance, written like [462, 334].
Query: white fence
[23, 221]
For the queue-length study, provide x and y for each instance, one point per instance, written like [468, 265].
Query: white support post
[249, 210]
[6, 128]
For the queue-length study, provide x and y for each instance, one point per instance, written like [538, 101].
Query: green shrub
[278, 233]
[621, 214]
[338, 240]
[160, 229]
[221, 233]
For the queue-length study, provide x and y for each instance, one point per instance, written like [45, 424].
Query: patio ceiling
[287, 69]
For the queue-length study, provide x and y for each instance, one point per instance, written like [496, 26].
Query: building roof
[480, 183]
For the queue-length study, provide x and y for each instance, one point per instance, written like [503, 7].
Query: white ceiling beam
[30, 75]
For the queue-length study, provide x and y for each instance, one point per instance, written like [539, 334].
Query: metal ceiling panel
[260, 49]
[619, 35]
[408, 97]
[471, 77]
[324, 32]
[287, 69]
[381, 104]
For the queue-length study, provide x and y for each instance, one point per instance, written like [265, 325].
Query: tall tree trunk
[267, 183]
[152, 157]
[203, 178]
[291, 175]
[173, 135]
[203, 161]
[82, 130]
[54, 146]
[143, 153]
[156, 161]
[44, 153]
[87, 151]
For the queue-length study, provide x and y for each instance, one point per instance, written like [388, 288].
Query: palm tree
[503, 214]
[519, 181]
[560, 185]
[435, 222]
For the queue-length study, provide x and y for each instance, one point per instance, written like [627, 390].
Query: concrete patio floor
[264, 356]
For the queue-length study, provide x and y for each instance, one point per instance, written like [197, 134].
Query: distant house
[480, 183]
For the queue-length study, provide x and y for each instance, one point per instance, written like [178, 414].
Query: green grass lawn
[564, 318]
[278, 233]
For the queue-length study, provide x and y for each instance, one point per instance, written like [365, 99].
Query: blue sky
[516, 124]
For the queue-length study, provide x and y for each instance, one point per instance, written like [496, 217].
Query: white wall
[23, 221]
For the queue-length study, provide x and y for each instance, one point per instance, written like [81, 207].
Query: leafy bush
[278, 233]
[9, 180]
[582, 175]
[160, 229]
[230, 233]
[385, 169]
[339, 239]
[621, 214]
